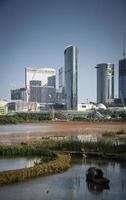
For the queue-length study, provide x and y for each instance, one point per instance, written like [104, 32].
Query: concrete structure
[105, 83]
[42, 94]
[71, 77]
[19, 94]
[22, 106]
[122, 79]
[3, 107]
[86, 106]
[40, 74]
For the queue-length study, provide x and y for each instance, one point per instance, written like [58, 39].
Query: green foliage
[24, 117]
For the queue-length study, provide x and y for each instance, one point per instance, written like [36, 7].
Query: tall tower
[105, 83]
[71, 77]
[122, 74]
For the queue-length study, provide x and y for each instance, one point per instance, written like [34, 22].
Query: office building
[61, 78]
[105, 83]
[52, 81]
[71, 77]
[36, 80]
[19, 94]
[60, 97]
[122, 79]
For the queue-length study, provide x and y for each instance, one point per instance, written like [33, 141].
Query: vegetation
[47, 151]
[24, 117]
[46, 148]
[56, 166]
[114, 134]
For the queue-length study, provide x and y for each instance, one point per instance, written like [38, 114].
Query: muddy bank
[12, 134]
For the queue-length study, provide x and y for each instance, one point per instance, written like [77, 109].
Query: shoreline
[56, 129]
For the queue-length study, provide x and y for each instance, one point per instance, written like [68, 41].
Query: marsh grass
[56, 166]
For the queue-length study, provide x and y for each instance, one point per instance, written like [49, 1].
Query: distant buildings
[71, 77]
[3, 107]
[22, 106]
[105, 83]
[122, 78]
[40, 85]
[60, 97]
[18, 94]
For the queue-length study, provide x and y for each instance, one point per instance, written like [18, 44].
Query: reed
[56, 166]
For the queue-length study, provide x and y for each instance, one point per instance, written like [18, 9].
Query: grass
[114, 134]
[56, 166]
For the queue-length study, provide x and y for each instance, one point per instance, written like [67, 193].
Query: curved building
[105, 83]
[71, 77]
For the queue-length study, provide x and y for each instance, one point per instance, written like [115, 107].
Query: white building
[22, 106]
[86, 106]
[3, 107]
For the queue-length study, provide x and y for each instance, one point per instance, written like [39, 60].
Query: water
[16, 163]
[71, 185]
[23, 128]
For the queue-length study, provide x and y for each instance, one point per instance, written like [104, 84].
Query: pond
[16, 163]
[71, 185]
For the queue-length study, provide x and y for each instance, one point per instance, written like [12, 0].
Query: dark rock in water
[95, 175]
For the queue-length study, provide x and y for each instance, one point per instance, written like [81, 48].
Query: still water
[16, 163]
[71, 185]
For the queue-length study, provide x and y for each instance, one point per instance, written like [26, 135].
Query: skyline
[36, 33]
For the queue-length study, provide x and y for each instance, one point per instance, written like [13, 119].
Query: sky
[35, 33]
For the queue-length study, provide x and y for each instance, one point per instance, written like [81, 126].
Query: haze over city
[35, 33]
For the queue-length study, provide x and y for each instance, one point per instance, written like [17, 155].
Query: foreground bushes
[56, 166]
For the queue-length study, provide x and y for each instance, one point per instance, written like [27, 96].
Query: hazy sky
[35, 33]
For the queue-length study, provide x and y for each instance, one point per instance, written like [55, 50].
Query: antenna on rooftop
[124, 53]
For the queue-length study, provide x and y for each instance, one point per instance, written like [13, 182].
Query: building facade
[3, 107]
[122, 79]
[19, 94]
[71, 77]
[44, 75]
[105, 83]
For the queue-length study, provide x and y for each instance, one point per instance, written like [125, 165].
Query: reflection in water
[96, 188]
[71, 185]
[16, 163]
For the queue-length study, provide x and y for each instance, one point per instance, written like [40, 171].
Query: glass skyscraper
[122, 78]
[105, 83]
[71, 77]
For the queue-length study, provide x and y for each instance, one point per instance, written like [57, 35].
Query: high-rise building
[71, 77]
[36, 80]
[60, 98]
[105, 83]
[122, 79]
[61, 78]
